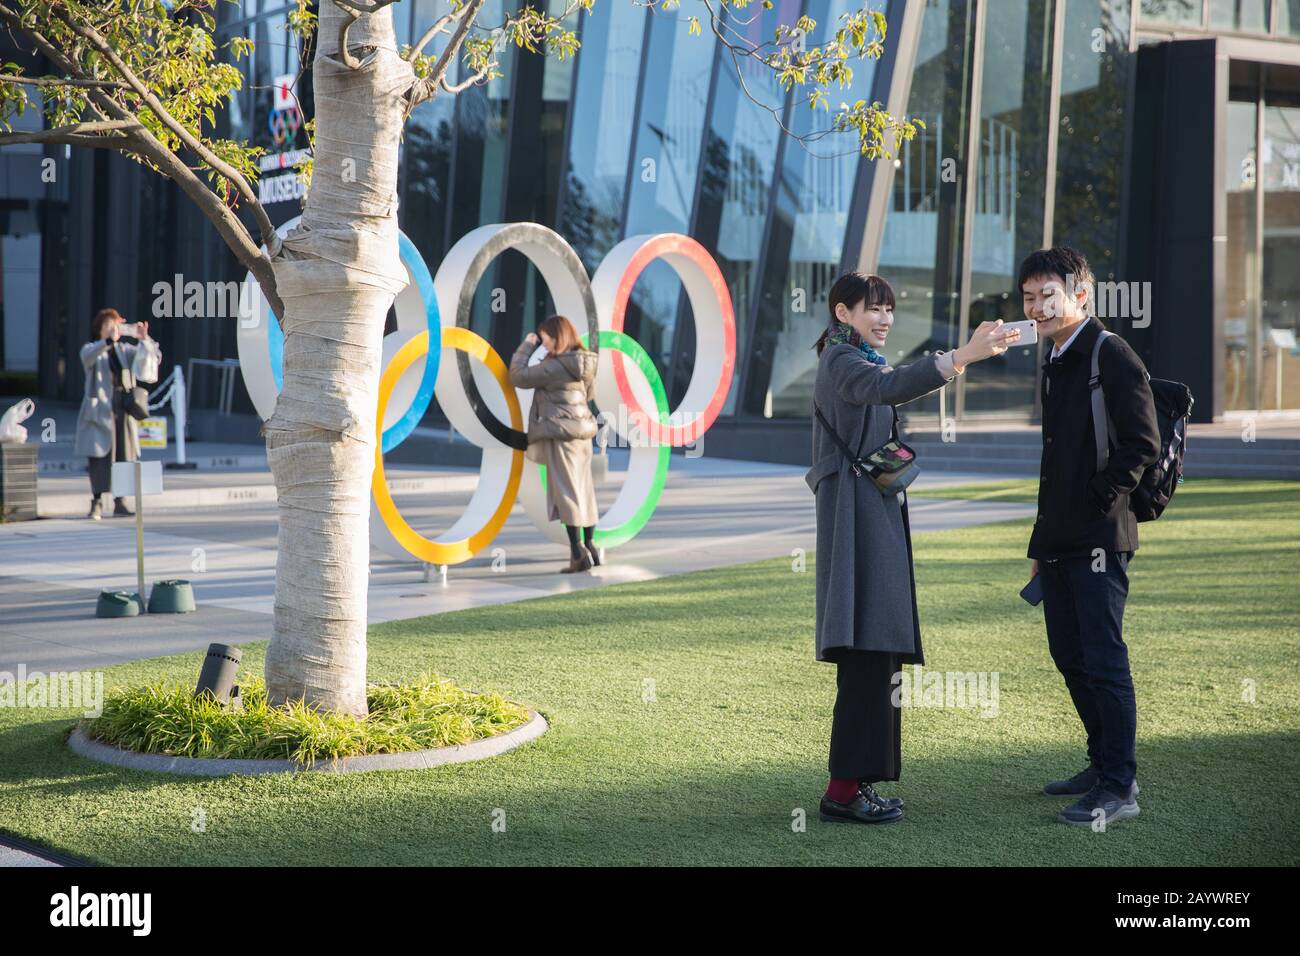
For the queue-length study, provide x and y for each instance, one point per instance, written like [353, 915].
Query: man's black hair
[1060, 261]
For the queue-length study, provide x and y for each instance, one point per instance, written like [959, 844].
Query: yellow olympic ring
[460, 549]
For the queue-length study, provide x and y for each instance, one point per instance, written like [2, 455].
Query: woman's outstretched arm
[862, 382]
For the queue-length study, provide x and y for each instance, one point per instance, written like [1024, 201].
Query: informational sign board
[1283, 339]
[279, 182]
[153, 433]
[123, 478]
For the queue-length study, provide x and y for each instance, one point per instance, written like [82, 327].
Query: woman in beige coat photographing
[560, 430]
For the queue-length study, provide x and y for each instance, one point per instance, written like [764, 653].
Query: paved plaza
[713, 512]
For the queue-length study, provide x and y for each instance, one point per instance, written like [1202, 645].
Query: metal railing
[228, 368]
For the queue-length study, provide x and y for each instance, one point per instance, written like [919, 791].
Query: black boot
[120, 510]
[587, 534]
[96, 509]
[579, 559]
[578, 563]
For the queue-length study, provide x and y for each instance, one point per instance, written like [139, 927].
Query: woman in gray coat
[105, 431]
[560, 430]
[867, 622]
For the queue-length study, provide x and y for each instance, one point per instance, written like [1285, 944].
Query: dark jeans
[101, 468]
[1084, 611]
[867, 729]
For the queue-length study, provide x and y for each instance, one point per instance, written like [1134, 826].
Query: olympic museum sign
[432, 352]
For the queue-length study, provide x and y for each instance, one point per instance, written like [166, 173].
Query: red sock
[842, 790]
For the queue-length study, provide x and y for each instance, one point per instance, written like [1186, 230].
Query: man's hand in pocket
[1101, 494]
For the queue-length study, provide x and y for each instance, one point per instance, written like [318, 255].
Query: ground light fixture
[217, 678]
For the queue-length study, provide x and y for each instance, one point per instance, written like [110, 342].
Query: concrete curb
[76, 467]
[217, 767]
[62, 504]
[18, 851]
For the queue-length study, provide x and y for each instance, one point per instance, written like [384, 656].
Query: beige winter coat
[561, 427]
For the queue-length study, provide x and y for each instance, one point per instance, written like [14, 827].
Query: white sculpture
[11, 429]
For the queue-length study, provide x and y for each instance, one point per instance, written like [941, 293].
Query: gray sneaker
[1098, 803]
[1076, 786]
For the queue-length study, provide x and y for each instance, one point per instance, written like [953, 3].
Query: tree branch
[465, 84]
[467, 16]
[229, 227]
[119, 143]
[350, 61]
[425, 88]
[439, 26]
[78, 134]
[92, 36]
[372, 7]
[747, 48]
[48, 81]
[354, 9]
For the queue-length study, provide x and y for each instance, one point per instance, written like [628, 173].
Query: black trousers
[1083, 605]
[101, 468]
[867, 729]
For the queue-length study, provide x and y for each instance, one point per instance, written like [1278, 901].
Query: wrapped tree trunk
[337, 275]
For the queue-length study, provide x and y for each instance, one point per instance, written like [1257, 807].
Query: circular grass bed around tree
[427, 713]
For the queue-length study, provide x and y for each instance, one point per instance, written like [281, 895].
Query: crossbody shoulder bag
[135, 399]
[892, 466]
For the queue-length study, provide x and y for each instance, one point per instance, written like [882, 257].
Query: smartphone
[1028, 332]
[1033, 591]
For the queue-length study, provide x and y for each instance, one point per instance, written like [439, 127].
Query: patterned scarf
[842, 332]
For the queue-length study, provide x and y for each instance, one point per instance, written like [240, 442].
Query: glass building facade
[1046, 121]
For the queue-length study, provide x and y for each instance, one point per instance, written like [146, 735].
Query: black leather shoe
[120, 510]
[868, 791]
[858, 810]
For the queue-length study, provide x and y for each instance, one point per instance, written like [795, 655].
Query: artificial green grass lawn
[690, 725]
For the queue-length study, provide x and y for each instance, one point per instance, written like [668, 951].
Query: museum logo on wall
[279, 182]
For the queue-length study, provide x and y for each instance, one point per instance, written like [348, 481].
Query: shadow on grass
[577, 798]
[734, 748]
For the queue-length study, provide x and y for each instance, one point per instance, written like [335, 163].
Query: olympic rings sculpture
[474, 390]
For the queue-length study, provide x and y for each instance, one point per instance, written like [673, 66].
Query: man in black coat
[1085, 534]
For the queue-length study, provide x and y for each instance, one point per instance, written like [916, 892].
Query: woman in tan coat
[560, 429]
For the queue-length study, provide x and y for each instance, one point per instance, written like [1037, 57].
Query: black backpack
[1173, 402]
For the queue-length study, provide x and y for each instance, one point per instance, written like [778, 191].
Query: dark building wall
[128, 230]
[1136, 188]
[1178, 215]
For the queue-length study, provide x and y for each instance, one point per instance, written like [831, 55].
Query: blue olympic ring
[401, 429]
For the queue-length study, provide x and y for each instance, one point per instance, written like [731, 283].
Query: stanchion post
[139, 535]
[178, 414]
